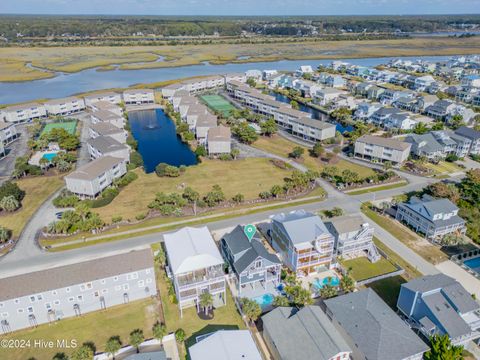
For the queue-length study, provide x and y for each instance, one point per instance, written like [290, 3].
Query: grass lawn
[218, 103]
[247, 176]
[225, 317]
[443, 167]
[388, 289]
[363, 269]
[421, 246]
[282, 147]
[97, 327]
[376, 188]
[37, 189]
[69, 126]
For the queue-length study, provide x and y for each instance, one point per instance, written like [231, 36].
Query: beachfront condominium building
[111, 97]
[195, 267]
[431, 217]
[219, 140]
[23, 113]
[108, 116]
[254, 267]
[353, 237]
[138, 96]
[89, 180]
[380, 149]
[203, 125]
[8, 132]
[302, 241]
[106, 106]
[107, 129]
[439, 305]
[107, 146]
[57, 293]
[65, 106]
[473, 135]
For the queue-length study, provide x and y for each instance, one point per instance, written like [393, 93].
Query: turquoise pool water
[49, 156]
[264, 300]
[473, 264]
[334, 281]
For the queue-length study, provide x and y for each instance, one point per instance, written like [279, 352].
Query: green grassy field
[363, 269]
[69, 126]
[376, 188]
[218, 103]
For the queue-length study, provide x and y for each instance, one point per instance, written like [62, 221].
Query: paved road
[28, 257]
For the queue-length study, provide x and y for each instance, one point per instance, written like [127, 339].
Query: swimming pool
[473, 263]
[333, 280]
[264, 300]
[49, 156]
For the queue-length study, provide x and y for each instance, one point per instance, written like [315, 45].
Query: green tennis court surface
[69, 126]
[218, 103]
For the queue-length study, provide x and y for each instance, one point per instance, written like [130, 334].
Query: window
[48, 306]
[30, 310]
[4, 314]
[54, 292]
[67, 289]
[141, 283]
[20, 311]
[103, 281]
[82, 287]
[57, 302]
[70, 299]
[88, 285]
[80, 298]
[39, 297]
[149, 281]
[1, 305]
[115, 278]
[96, 294]
[125, 287]
[147, 271]
[258, 264]
[16, 301]
[104, 291]
[32, 299]
[118, 288]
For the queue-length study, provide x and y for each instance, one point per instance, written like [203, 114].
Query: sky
[240, 7]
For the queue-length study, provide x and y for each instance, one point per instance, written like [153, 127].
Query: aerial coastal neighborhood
[241, 206]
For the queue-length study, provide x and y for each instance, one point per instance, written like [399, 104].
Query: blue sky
[240, 7]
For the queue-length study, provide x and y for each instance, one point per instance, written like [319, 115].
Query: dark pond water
[316, 114]
[64, 84]
[158, 141]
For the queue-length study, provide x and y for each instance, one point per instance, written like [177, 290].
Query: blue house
[256, 270]
[438, 304]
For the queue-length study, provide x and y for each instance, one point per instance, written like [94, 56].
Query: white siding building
[107, 129]
[23, 113]
[65, 106]
[219, 140]
[109, 117]
[106, 145]
[57, 293]
[139, 96]
[379, 149]
[89, 180]
[111, 97]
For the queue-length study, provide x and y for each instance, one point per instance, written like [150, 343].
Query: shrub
[11, 188]
[140, 216]
[126, 179]
[297, 152]
[116, 219]
[136, 159]
[451, 158]
[265, 195]
[63, 201]
[238, 198]
[106, 198]
[9, 203]
[201, 151]
[5, 234]
[225, 157]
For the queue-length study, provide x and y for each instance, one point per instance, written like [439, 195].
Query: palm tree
[251, 309]
[113, 345]
[4, 234]
[136, 338]
[9, 203]
[180, 335]
[206, 301]
[235, 153]
[159, 331]
[60, 356]
[347, 284]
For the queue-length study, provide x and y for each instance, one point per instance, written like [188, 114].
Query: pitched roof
[207, 120]
[384, 142]
[106, 128]
[226, 345]
[104, 105]
[62, 100]
[190, 249]
[219, 133]
[468, 132]
[304, 334]
[346, 224]
[238, 242]
[22, 106]
[375, 328]
[300, 226]
[95, 168]
[137, 91]
[428, 207]
[105, 115]
[78, 273]
[106, 144]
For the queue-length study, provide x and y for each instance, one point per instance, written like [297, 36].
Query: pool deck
[35, 159]
[468, 281]
[310, 279]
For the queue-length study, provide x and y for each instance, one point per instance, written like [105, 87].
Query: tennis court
[218, 103]
[69, 126]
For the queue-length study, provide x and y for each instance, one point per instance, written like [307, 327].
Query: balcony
[199, 278]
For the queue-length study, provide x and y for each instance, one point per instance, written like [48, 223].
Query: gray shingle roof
[106, 128]
[95, 168]
[375, 328]
[304, 334]
[346, 224]
[68, 275]
[385, 142]
[106, 144]
[238, 243]
[468, 133]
